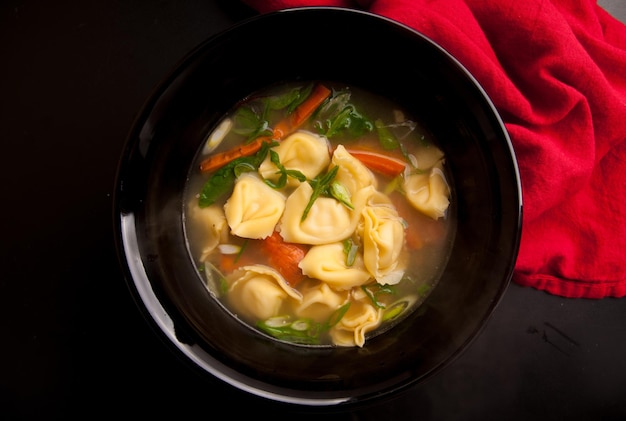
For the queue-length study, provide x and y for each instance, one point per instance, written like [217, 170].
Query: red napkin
[556, 71]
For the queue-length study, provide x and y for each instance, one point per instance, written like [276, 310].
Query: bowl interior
[359, 49]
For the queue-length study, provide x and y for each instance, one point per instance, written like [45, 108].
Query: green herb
[290, 99]
[374, 290]
[284, 173]
[223, 285]
[243, 167]
[396, 184]
[341, 193]
[350, 120]
[336, 316]
[350, 248]
[243, 247]
[303, 94]
[386, 138]
[222, 181]
[333, 105]
[337, 115]
[320, 186]
[395, 310]
[302, 331]
[251, 121]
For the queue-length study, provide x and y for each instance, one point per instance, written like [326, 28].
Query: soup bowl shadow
[340, 45]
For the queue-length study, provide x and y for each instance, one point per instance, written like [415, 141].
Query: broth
[325, 231]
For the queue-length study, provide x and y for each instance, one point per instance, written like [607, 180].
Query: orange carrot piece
[230, 262]
[283, 128]
[227, 263]
[302, 112]
[218, 160]
[284, 257]
[384, 164]
[309, 105]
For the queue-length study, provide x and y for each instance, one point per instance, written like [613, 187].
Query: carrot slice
[309, 105]
[383, 164]
[218, 160]
[282, 129]
[284, 257]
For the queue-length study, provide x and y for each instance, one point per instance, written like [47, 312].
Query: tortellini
[328, 220]
[212, 222]
[352, 173]
[254, 208]
[319, 301]
[427, 156]
[302, 151]
[382, 232]
[327, 263]
[258, 292]
[428, 191]
[361, 317]
[352, 246]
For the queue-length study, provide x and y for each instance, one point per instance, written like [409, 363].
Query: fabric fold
[556, 72]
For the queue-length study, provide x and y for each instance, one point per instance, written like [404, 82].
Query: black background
[73, 76]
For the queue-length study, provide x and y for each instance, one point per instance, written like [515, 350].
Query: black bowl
[360, 49]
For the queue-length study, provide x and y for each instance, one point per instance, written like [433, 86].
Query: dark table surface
[74, 344]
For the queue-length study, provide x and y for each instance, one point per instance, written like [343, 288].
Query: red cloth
[556, 71]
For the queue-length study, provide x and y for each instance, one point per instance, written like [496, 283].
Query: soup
[317, 213]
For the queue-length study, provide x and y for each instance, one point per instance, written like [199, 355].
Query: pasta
[428, 192]
[254, 208]
[259, 291]
[352, 173]
[312, 233]
[319, 301]
[213, 226]
[303, 151]
[362, 317]
[327, 263]
[328, 220]
[383, 243]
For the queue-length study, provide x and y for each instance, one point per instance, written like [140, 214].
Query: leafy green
[302, 330]
[336, 316]
[385, 136]
[333, 105]
[320, 186]
[341, 193]
[251, 120]
[290, 99]
[374, 290]
[350, 248]
[284, 173]
[222, 181]
[337, 115]
[395, 310]
[241, 250]
[350, 120]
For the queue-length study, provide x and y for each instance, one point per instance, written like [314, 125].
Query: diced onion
[229, 248]
[300, 325]
[278, 321]
[217, 136]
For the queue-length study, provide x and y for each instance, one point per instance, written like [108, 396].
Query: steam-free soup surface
[318, 213]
